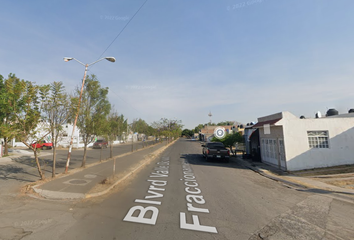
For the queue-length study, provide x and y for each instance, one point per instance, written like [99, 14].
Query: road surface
[181, 196]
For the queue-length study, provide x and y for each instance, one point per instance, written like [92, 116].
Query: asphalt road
[181, 196]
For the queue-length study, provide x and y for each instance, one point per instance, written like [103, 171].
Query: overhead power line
[122, 29]
[115, 40]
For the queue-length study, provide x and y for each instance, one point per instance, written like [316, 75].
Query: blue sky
[181, 59]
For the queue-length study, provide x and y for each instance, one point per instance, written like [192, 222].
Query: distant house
[65, 136]
[207, 132]
[42, 130]
[292, 143]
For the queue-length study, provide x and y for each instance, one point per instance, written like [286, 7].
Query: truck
[215, 150]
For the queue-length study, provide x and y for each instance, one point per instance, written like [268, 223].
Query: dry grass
[343, 183]
[338, 170]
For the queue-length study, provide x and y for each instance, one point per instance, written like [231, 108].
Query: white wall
[298, 153]
[65, 137]
[134, 136]
[276, 133]
[41, 130]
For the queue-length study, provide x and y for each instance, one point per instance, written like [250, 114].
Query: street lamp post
[67, 59]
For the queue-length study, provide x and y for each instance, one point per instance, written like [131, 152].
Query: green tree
[10, 95]
[225, 123]
[157, 126]
[168, 128]
[198, 128]
[3, 104]
[116, 125]
[139, 126]
[55, 112]
[233, 138]
[93, 111]
[151, 131]
[230, 139]
[187, 133]
[25, 120]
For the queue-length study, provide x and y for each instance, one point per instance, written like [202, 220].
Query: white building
[63, 140]
[65, 136]
[41, 131]
[291, 143]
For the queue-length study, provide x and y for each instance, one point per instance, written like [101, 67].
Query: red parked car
[42, 145]
[101, 143]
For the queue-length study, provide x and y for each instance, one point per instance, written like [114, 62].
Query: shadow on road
[198, 159]
[9, 171]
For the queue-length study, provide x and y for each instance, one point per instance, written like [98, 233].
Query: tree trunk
[54, 161]
[111, 148]
[101, 154]
[83, 164]
[6, 150]
[41, 174]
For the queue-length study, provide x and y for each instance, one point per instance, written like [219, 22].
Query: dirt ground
[325, 171]
[340, 176]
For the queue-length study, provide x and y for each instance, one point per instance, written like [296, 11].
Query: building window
[318, 139]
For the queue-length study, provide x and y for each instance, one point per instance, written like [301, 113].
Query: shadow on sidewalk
[46, 163]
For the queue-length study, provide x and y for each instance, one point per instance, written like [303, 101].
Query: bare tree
[55, 112]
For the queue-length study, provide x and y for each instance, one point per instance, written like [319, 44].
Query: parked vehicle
[215, 150]
[101, 143]
[42, 145]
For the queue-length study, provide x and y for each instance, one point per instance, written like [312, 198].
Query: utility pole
[77, 114]
[67, 59]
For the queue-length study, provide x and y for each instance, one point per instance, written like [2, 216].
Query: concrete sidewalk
[291, 179]
[84, 183]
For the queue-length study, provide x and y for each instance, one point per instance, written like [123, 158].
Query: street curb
[54, 195]
[79, 169]
[297, 184]
[160, 150]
